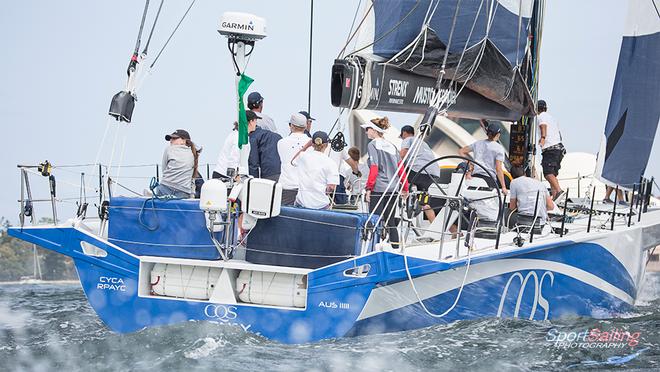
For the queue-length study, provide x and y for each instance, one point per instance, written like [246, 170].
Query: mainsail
[479, 49]
[634, 112]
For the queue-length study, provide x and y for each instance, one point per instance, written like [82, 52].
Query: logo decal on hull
[539, 300]
[111, 284]
[220, 312]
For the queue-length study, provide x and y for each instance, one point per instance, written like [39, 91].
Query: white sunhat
[298, 120]
[372, 126]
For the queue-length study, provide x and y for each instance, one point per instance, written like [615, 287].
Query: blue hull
[542, 282]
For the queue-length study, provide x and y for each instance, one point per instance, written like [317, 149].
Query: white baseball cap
[298, 120]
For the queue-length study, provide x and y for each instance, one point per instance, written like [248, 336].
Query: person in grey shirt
[419, 155]
[523, 193]
[179, 165]
[490, 154]
[383, 161]
[255, 103]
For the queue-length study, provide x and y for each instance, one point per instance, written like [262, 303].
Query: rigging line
[467, 42]
[451, 36]
[172, 34]
[124, 187]
[103, 139]
[121, 159]
[357, 29]
[519, 24]
[656, 8]
[153, 27]
[390, 30]
[350, 31]
[139, 36]
[311, 38]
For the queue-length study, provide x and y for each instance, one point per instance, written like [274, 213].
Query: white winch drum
[276, 289]
[261, 198]
[213, 196]
[184, 281]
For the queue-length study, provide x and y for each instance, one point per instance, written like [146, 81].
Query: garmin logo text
[398, 88]
[423, 95]
[237, 26]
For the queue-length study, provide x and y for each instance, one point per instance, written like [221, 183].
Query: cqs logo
[539, 300]
[220, 312]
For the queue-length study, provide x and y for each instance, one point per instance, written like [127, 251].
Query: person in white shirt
[355, 181]
[552, 149]
[287, 148]
[319, 174]
[229, 156]
[524, 191]
[255, 103]
[490, 154]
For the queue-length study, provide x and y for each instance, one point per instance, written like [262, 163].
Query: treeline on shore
[17, 260]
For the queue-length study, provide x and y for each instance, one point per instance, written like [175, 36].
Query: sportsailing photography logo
[594, 338]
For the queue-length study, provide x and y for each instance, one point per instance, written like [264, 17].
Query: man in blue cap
[255, 103]
[310, 119]
[490, 154]
[264, 160]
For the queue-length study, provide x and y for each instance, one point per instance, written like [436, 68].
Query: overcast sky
[64, 60]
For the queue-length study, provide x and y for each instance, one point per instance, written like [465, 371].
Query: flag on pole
[243, 86]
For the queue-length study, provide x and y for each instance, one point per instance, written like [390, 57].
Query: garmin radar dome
[242, 26]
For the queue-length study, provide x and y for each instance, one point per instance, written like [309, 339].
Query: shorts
[551, 161]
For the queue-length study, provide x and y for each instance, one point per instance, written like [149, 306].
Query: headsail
[634, 112]
[479, 48]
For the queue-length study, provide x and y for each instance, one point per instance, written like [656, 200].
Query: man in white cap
[287, 148]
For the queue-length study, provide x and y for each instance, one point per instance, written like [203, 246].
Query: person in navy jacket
[264, 160]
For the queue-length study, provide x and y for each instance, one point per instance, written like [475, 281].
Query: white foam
[209, 345]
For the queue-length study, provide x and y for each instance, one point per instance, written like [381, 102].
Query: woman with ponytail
[383, 164]
[180, 161]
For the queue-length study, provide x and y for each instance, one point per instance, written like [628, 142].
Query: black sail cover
[482, 76]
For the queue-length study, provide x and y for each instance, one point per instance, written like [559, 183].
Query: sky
[64, 60]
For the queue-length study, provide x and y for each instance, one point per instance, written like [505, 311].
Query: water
[51, 327]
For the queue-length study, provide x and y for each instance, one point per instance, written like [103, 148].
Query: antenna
[241, 30]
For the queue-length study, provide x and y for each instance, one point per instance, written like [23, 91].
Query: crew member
[319, 175]
[256, 103]
[308, 129]
[264, 160]
[354, 182]
[552, 149]
[229, 156]
[490, 154]
[179, 165]
[422, 154]
[287, 148]
[383, 164]
[523, 196]
[619, 196]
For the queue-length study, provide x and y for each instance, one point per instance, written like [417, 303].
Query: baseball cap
[254, 98]
[306, 115]
[179, 133]
[298, 120]
[541, 105]
[251, 115]
[493, 128]
[320, 138]
[407, 129]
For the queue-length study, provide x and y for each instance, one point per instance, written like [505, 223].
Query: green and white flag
[243, 86]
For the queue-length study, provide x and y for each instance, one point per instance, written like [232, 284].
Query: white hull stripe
[395, 296]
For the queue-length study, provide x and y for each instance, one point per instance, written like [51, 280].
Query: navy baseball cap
[320, 138]
[306, 114]
[179, 133]
[254, 98]
[493, 128]
[407, 129]
[541, 105]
